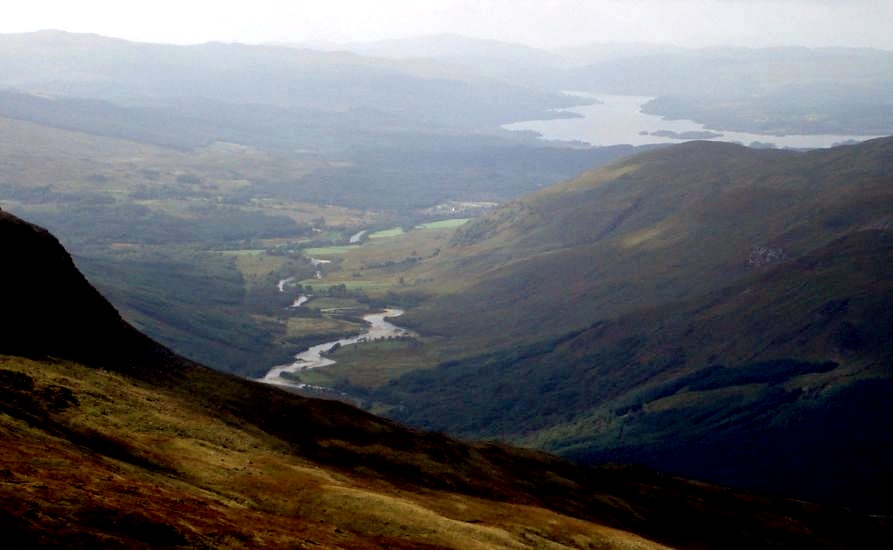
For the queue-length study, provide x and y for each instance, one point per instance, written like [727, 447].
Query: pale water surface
[618, 120]
[315, 357]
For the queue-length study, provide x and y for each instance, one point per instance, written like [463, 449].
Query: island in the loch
[683, 136]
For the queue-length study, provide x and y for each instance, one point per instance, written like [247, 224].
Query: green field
[247, 252]
[373, 364]
[329, 250]
[387, 233]
[336, 328]
[350, 285]
[444, 224]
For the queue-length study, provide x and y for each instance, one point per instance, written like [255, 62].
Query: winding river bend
[313, 358]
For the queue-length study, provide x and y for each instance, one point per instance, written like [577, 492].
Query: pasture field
[246, 252]
[328, 284]
[373, 364]
[452, 223]
[329, 250]
[302, 326]
[387, 233]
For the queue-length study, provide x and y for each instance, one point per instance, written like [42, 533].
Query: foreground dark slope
[51, 310]
[152, 450]
[706, 309]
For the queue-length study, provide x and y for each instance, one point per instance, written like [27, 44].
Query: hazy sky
[545, 23]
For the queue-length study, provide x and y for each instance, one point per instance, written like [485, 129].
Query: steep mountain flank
[50, 310]
[661, 226]
[781, 382]
[151, 450]
[705, 309]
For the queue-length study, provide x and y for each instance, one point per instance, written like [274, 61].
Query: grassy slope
[76, 162]
[574, 311]
[735, 386]
[152, 450]
[95, 458]
[662, 226]
[658, 228]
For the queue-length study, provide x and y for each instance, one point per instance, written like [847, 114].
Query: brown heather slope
[94, 459]
[143, 449]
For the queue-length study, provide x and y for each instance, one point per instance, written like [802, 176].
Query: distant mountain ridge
[138, 74]
[471, 83]
[514, 62]
[768, 90]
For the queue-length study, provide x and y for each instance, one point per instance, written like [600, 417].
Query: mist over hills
[773, 90]
[182, 153]
[779, 90]
[52, 62]
[534, 67]
[324, 99]
[713, 311]
[471, 83]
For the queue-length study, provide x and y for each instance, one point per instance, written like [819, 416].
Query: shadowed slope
[658, 227]
[781, 382]
[706, 309]
[99, 443]
[50, 310]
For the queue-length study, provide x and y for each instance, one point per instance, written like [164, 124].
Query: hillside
[47, 301]
[705, 309]
[780, 383]
[661, 226]
[112, 440]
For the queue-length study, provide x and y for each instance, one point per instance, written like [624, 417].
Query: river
[284, 283]
[619, 119]
[314, 358]
[318, 263]
[356, 237]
